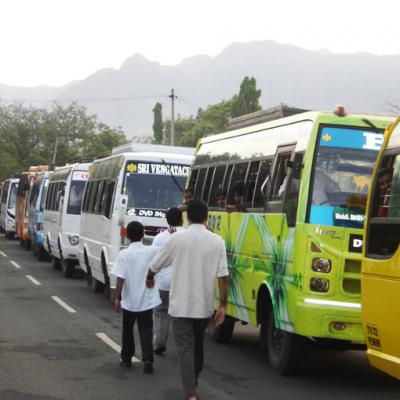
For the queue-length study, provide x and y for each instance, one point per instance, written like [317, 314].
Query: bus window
[193, 178]
[251, 182]
[92, 196]
[216, 185]
[99, 197]
[280, 172]
[384, 229]
[13, 196]
[262, 181]
[236, 188]
[207, 186]
[109, 199]
[75, 197]
[198, 189]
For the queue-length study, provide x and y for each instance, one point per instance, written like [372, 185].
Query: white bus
[137, 182]
[62, 214]
[7, 207]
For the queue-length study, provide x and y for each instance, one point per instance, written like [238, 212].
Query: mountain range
[315, 80]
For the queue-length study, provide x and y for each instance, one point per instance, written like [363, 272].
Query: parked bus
[138, 182]
[21, 213]
[289, 196]
[381, 259]
[61, 219]
[8, 203]
[37, 197]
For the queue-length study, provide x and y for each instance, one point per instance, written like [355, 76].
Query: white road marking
[112, 344]
[63, 304]
[16, 265]
[33, 280]
[3, 254]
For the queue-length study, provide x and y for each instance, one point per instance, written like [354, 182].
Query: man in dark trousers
[198, 258]
[133, 297]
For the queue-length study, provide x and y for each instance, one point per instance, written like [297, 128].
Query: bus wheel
[68, 268]
[27, 244]
[98, 287]
[285, 349]
[56, 263]
[41, 253]
[21, 242]
[10, 235]
[222, 333]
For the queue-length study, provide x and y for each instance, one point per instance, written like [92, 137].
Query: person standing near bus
[133, 298]
[198, 259]
[161, 318]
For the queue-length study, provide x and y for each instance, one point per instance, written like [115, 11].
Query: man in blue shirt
[133, 298]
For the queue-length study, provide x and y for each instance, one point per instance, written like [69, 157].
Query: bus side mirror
[122, 209]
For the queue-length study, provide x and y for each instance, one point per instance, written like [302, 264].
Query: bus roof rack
[154, 148]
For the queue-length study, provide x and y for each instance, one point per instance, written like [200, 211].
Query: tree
[248, 99]
[158, 123]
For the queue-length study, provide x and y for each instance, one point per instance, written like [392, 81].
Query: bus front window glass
[13, 196]
[342, 175]
[43, 195]
[157, 192]
[75, 197]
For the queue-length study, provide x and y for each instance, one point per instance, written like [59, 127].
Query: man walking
[198, 258]
[163, 281]
[133, 297]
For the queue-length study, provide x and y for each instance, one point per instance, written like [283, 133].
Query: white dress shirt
[132, 265]
[197, 257]
[163, 278]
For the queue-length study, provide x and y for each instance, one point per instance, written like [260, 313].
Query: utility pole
[172, 97]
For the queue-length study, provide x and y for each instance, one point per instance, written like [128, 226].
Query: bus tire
[41, 253]
[223, 333]
[21, 242]
[88, 275]
[98, 287]
[68, 268]
[55, 263]
[107, 287]
[285, 349]
[27, 244]
[10, 235]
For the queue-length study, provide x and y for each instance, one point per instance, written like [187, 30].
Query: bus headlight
[73, 239]
[321, 265]
[319, 285]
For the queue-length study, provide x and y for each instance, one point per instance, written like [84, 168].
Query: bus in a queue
[380, 281]
[138, 182]
[289, 197]
[7, 207]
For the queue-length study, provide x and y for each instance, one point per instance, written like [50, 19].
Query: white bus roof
[152, 148]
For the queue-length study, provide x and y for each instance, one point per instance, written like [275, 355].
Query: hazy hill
[288, 74]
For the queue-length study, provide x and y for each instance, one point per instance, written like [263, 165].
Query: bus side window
[216, 185]
[207, 186]
[99, 197]
[86, 196]
[198, 189]
[251, 182]
[92, 197]
[280, 179]
[235, 201]
[292, 189]
[109, 199]
[263, 174]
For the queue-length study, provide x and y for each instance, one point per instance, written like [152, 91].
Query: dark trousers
[145, 326]
[189, 338]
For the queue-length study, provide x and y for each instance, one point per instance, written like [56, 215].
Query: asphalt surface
[58, 340]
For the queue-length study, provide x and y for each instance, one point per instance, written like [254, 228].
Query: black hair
[174, 217]
[220, 193]
[385, 171]
[197, 211]
[238, 189]
[135, 231]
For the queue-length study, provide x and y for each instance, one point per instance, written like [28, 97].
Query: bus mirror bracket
[122, 209]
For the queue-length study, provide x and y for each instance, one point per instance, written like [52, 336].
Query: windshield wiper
[172, 176]
[369, 123]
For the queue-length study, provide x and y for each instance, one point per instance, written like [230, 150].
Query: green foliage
[158, 123]
[248, 99]
[28, 136]
[215, 118]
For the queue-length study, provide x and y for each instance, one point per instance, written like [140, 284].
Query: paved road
[48, 352]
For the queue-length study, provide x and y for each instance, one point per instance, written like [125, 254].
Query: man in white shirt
[198, 258]
[163, 282]
[133, 297]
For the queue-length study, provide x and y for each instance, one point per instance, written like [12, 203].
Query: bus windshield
[151, 186]
[75, 197]
[13, 196]
[342, 174]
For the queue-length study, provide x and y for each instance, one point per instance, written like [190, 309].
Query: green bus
[289, 197]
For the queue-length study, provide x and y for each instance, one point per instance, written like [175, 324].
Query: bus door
[380, 282]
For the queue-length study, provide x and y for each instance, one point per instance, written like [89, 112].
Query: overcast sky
[56, 41]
